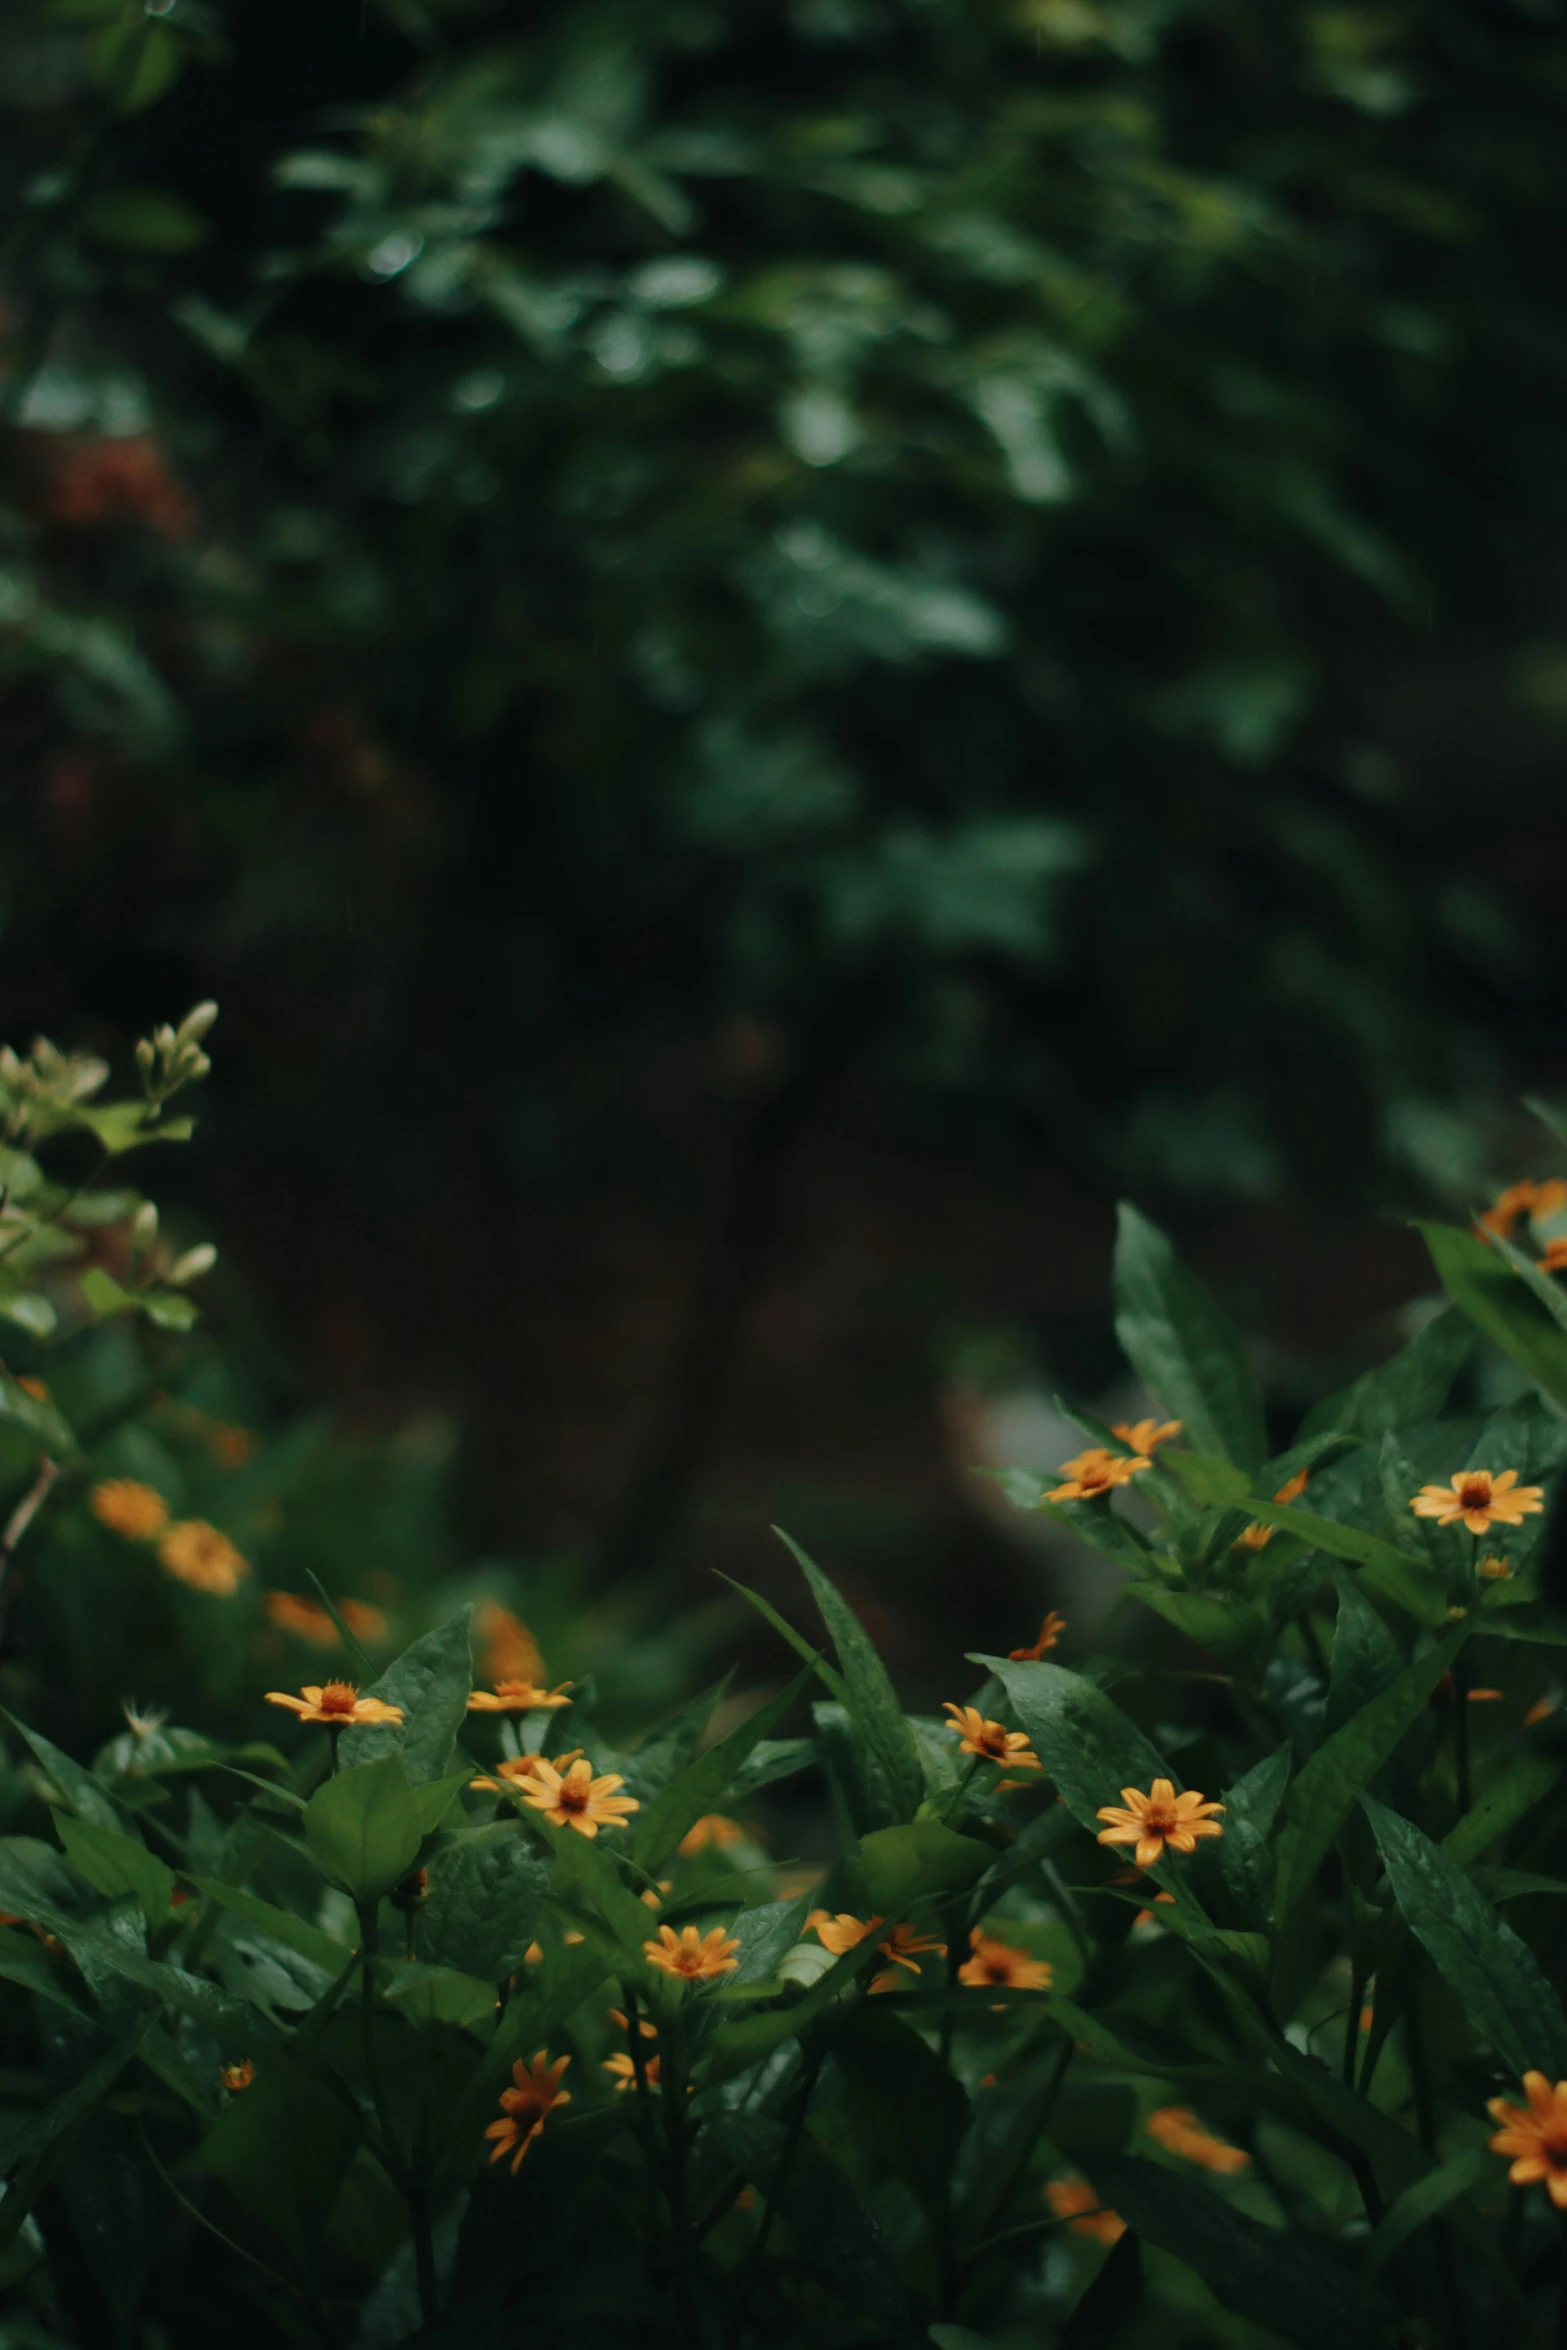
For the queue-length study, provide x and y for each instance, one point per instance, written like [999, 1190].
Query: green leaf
[1111, 2298]
[1213, 1483]
[830, 1680]
[362, 1828]
[1477, 1279]
[736, 2046]
[170, 1309]
[702, 1786]
[121, 1126]
[30, 1311]
[1544, 1286]
[1412, 1386]
[1183, 1347]
[1288, 2284]
[896, 1867]
[22, 1961]
[114, 1863]
[280, 1925]
[1518, 1789]
[85, 1795]
[144, 220]
[61, 2114]
[903, 2100]
[833, 2238]
[104, 1295]
[431, 1995]
[1245, 1849]
[1324, 1792]
[1423, 2200]
[766, 1934]
[1495, 1976]
[431, 1682]
[39, 1417]
[870, 1694]
[1399, 1578]
[584, 1873]
[1366, 1657]
[484, 1899]
[282, 2148]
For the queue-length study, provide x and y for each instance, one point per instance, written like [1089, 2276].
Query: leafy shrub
[1157, 2003]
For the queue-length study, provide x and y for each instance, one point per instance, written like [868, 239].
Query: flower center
[1159, 1818]
[1093, 1476]
[339, 1697]
[1475, 1492]
[573, 1795]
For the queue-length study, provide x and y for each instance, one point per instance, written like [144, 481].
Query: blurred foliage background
[764, 651]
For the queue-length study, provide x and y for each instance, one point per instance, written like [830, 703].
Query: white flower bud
[144, 1224]
[165, 1039]
[192, 1264]
[146, 1054]
[195, 1024]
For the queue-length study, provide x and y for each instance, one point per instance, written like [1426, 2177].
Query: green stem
[406, 2177]
[645, 2125]
[753, 2267]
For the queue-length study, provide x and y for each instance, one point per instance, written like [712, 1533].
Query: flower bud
[192, 1264]
[165, 1039]
[145, 1056]
[144, 1224]
[195, 1024]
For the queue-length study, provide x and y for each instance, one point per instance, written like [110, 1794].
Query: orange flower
[1495, 1570]
[1257, 1537]
[988, 1741]
[645, 2030]
[625, 2071]
[1180, 2132]
[306, 1619]
[1555, 1257]
[197, 1554]
[903, 1946]
[337, 1704]
[1479, 1500]
[1097, 1471]
[507, 1649]
[691, 1954]
[1156, 1819]
[236, 2076]
[1145, 1435]
[711, 1832]
[527, 2107]
[998, 1966]
[1536, 2138]
[1075, 2200]
[364, 1621]
[517, 1697]
[126, 1507]
[231, 1447]
[520, 1771]
[1541, 1709]
[578, 1800]
[1050, 1632]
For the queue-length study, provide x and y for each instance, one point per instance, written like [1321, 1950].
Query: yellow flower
[1145, 1435]
[1180, 2132]
[364, 1621]
[575, 1799]
[337, 1704]
[1156, 1819]
[507, 1649]
[1536, 2138]
[517, 1697]
[1479, 1500]
[197, 1554]
[1097, 1471]
[711, 1832]
[237, 2076]
[125, 1507]
[625, 2071]
[1555, 1257]
[1050, 1632]
[1523, 1199]
[1257, 1537]
[1495, 1570]
[528, 2105]
[903, 1946]
[306, 1619]
[989, 1741]
[645, 2030]
[692, 1955]
[998, 1966]
[520, 1771]
[1075, 2200]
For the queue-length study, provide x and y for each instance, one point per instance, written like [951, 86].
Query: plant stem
[753, 2266]
[407, 2178]
[672, 2087]
[1357, 2000]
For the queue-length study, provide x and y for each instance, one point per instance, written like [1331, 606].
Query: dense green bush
[448, 2018]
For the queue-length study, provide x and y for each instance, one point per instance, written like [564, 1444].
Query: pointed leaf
[1478, 1280]
[1366, 1657]
[871, 1697]
[1183, 1347]
[702, 1786]
[431, 1682]
[483, 1901]
[363, 1827]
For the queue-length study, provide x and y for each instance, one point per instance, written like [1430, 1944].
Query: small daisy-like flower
[989, 1741]
[305, 1619]
[625, 2071]
[997, 1966]
[517, 1697]
[1179, 2131]
[576, 1799]
[1495, 1570]
[520, 1772]
[1145, 1435]
[1257, 1537]
[1097, 1471]
[711, 1833]
[1534, 1200]
[692, 1955]
[137, 1511]
[1159, 1818]
[1050, 1632]
[1074, 2200]
[1535, 2136]
[507, 1649]
[527, 2105]
[364, 1621]
[239, 2075]
[336, 1704]
[1555, 1257]
[840, 1933]
[1479, 1500]
[196, 1554]
[904, 1946]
